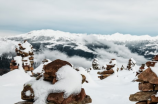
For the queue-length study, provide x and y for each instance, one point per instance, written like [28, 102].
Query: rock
[24, 96]
[104, 76]
[57, 98]
[51, 68]
[156, 87]
[109, 67]
[111, 71]
[154, 99]
[150, 64]
[146, 87]
[142, 102]
[81, 96]
[83, 78]
[148, 76]
[141, 96]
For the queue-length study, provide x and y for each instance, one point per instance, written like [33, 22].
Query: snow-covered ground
[112, 90]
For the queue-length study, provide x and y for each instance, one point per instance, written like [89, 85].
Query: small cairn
[109, 69]
[25, 54]
[95, 64]
[131, 64]
[148, 84]
[55, 98]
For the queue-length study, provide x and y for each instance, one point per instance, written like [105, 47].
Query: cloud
[53, 55]
[80, 16]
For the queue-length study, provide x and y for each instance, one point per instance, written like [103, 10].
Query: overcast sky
[136, 17]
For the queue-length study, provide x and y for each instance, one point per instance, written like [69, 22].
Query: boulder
[146, 87]
[57, 98]
[148, 76]
[51, 68]
[141, 96]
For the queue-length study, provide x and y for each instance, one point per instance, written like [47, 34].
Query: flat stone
[146, 87]
[141, 96]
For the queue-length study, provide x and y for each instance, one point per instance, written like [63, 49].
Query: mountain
[88, 46]
[84, 45]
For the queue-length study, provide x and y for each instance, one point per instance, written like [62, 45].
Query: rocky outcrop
[148, 85]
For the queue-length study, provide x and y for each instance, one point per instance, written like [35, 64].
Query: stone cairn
[95, 64]
[148, 84]
[131, 64]
[55, 98]
[108, 71]
[25, 50]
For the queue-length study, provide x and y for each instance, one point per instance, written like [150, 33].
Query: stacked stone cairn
[95, 64]
[108, 71]
[25, 50]
[55, 98]
[131, 64]
[148, 83]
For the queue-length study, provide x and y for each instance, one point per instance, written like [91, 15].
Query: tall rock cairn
[25, 55]
[131, 64]
[148, 84]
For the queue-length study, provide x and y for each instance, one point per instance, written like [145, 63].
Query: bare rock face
[148, 76]
[146, 87]
[30, 95]
[51, 68]
[141, 96]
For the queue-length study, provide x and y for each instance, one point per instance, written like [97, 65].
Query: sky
[135, 17]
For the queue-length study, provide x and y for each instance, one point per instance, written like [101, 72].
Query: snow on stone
[28, 93]
[18, 60]
[155, 69]
[69, 82]
[133, 61]
[27, 47]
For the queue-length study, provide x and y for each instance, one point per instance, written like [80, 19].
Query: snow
[40, 67]
[133, 61]
[69, 82]
[112, 90]
[155, 69]
[18, 60]
[28, 93]
[27, 47]
[11, 85]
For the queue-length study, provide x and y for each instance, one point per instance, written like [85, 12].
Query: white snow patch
[28, 93]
